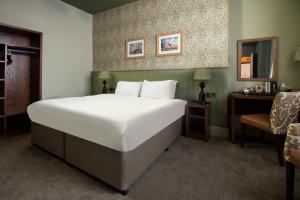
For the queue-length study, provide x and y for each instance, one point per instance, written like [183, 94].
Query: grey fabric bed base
[118, 169]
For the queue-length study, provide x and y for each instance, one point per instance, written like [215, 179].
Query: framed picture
[169, 44]
[135, 48]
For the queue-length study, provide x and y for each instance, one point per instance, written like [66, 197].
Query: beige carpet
[190, 170]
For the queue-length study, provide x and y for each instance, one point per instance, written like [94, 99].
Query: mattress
[118, 122]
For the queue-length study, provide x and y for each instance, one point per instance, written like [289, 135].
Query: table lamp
[104, 75]
[202, 75]
[297, 54]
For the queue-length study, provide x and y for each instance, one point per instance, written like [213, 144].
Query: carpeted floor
[190, 170]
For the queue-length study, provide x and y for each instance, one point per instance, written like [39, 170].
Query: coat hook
[9, 59]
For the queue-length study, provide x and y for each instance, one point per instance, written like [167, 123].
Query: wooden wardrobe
[20, 76]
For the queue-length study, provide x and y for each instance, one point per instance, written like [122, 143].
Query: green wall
[247, 19]
[262, 18]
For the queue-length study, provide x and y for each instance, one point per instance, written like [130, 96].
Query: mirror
[257, 59]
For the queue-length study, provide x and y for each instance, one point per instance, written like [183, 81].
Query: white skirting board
[219, 131]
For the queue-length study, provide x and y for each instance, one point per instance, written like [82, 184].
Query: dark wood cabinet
[240, 104]
[20, 75]
[198, 120]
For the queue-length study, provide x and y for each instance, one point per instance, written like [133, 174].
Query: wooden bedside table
[197, 120]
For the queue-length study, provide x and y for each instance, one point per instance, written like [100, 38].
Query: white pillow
[159, 89]
[128, 88]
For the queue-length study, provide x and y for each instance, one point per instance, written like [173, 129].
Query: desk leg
[232, 128]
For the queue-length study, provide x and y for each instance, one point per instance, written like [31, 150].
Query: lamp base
[104, 90]
[202, 93]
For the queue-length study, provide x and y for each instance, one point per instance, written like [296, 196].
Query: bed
[114, 138]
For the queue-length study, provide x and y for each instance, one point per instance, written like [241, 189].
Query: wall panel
[204, 24]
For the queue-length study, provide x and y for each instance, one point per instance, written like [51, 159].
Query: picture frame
[169, 44]
[135, 48]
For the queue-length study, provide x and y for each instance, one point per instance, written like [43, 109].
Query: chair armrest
[285, 110]
[292, 140]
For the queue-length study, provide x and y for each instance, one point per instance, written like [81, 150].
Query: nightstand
[198, 120]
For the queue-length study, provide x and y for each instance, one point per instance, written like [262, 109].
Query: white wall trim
[219, 131]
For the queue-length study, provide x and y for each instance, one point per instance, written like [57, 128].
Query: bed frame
[118, 169]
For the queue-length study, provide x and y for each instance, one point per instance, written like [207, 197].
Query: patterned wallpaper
[204, 24]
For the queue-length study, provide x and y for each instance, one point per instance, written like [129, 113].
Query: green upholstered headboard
[187, 88]
[184, 78]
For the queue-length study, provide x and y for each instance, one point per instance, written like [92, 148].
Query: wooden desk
[240, 104]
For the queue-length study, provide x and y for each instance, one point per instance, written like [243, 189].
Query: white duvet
[117, 122]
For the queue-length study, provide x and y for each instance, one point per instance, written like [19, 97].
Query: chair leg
[279, 142]
[243, 135]
[262, 136]
[290, 180]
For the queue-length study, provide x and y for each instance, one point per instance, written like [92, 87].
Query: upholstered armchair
[285, 109]
[292, 156]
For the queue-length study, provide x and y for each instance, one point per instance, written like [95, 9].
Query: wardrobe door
[17, 86]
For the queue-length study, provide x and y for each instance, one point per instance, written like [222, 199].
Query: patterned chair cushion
[292, 141]
[285, 110]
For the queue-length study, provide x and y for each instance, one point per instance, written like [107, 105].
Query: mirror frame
[274, 58]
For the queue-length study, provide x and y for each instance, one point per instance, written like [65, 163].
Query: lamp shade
[202, 74]
[104, 75]
[297, 54]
